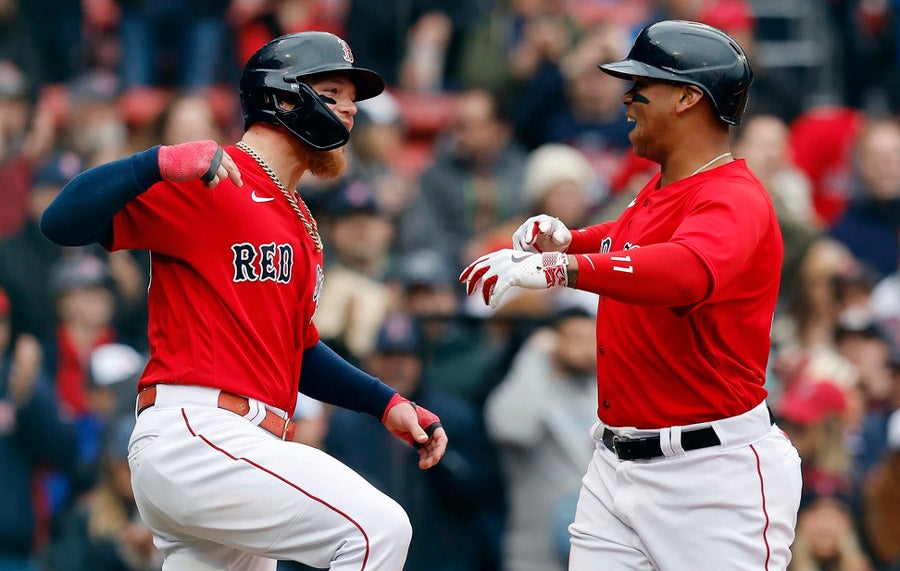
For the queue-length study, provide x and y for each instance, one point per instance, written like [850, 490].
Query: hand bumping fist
[496, 272]
[542, 233]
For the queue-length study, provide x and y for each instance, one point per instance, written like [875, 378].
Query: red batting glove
[427, 420]
[190, 161]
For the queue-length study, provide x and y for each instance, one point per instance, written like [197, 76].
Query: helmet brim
[368, 83]
[629, 69]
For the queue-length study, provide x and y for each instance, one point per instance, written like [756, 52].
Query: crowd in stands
[495, 111]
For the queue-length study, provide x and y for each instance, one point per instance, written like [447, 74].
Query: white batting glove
[496, 272]
[542, 233]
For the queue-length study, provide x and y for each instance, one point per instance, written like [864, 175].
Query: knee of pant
[394, 526]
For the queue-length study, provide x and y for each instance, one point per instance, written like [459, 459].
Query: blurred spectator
[95, 128]
[865, 49]
[539, 417]
[762, 141]
[880, 498]
[56, 41]
[450, 505]
[870, 225]
[173, 43]
[113, 372]
[26, 258]
[186, 117]
[805, 324]
[81, 286]
[257, 22]
[811, 413]
[860, 341]
[424, 62]
[827, 539]
[473, 184]
[873, 439]
[18, 48]
[821, 143]
[573, 102]
[885, 307]
[421, 36]
[381, 153]
[85, 305]
[27, 134]
[104, 531]
[354, 300]
[33, 437]
[509, 44]
[560, 181]
[461, 356]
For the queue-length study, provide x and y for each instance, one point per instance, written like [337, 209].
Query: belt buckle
[619, 438]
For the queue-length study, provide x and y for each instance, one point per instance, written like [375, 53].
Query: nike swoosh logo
[257, 198]
[516, 259]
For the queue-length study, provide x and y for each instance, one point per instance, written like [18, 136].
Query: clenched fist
[542, 233]
[204, 160]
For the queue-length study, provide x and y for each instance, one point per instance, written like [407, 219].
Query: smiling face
[654, 107]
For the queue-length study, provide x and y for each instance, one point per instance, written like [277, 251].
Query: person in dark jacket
[33, 436]
[453, 507]
[870, 225]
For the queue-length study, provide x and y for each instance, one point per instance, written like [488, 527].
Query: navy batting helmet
[282, 65]
[694, 53]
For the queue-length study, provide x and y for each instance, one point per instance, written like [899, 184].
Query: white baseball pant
[727, 507]
[220, 493]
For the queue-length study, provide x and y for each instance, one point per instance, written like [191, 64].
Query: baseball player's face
[339, 93]
[649, 105]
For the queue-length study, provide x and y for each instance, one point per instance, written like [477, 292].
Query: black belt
[647, 447]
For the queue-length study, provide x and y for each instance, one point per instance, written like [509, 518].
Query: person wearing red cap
[811, 413]
[4, 305]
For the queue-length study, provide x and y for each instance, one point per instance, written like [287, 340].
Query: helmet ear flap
[312, 121]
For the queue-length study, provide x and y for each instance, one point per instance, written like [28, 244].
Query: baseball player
[236, 277]
[689, 471]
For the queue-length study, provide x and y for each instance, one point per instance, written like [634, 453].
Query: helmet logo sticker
[348, 55]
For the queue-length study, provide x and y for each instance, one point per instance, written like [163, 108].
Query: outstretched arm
[668, 274]
[84, 210]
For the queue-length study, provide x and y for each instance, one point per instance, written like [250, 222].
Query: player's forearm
[84, 210]
[328, 377]
[668, 275]
[587, 240]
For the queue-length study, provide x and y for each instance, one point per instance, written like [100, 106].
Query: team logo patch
[348, 55]
[317, 292]
[606, 245]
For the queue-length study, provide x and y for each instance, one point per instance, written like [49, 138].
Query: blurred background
[495, 110]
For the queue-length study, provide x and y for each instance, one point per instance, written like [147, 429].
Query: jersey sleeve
[587, 240]
[724, 228]
[168, 218]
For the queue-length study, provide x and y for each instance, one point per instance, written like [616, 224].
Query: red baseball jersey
[663, 366]
[235, 281]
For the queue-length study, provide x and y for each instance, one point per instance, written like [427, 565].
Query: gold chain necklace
[293, 199]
